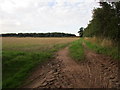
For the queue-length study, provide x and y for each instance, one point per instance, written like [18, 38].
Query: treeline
[54, 34]
[105, 22]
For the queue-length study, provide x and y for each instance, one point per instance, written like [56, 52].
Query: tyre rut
[96, 71]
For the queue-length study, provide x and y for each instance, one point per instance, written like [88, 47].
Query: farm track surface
[96, 71]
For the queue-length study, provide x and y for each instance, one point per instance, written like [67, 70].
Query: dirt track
[96, 71]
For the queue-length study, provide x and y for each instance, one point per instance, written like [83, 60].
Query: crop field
[32, 44]
[20, 55]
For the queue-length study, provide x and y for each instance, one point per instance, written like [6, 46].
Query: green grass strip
[76, 50]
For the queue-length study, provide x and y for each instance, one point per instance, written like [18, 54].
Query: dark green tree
[105, 21]
[81, 32]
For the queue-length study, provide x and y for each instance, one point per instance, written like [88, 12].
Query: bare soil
[96, 71]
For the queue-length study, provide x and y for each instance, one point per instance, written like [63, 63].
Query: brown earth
[96, 71]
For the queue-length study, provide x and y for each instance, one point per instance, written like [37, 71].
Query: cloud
[45, 15]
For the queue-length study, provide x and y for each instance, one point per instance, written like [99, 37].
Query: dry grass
[100, 41]
[33, 44]
[104, 46]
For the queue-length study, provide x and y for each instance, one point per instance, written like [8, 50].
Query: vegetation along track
[96, 71]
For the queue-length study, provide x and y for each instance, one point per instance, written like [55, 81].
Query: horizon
[39, 33]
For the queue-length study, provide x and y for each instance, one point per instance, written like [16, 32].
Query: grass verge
[76, 50]
[110, 51]
[17, 64]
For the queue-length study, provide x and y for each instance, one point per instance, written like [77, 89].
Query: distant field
[33, 44]
[20, 55]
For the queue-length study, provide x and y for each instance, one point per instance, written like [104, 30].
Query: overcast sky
[45, 15]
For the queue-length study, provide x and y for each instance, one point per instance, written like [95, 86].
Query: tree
[53, 34]
[81, 32]
[105, 21]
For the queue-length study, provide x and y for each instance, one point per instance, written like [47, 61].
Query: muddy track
[96, 71]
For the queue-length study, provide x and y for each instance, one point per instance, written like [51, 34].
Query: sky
[41, 16]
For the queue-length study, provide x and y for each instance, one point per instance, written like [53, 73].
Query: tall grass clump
[76, 50]
[101, 41]
[107, 50]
